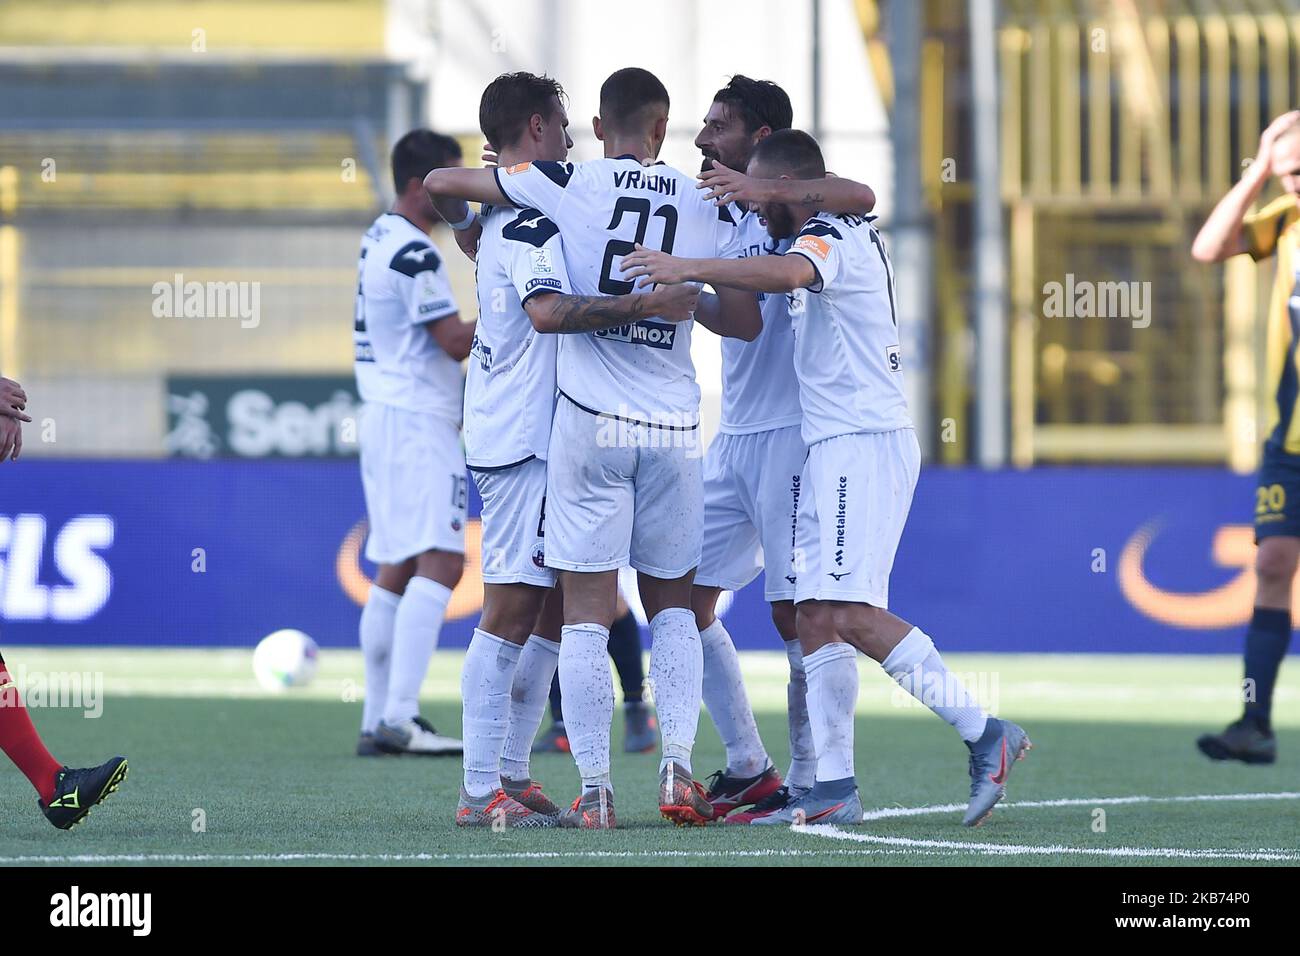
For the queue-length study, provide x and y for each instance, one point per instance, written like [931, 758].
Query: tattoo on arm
[813, 198]
[590, 313]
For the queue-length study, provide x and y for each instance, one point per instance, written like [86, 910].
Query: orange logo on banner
[517, 168]
[818, 247]
[1226, 606]
[466, 599]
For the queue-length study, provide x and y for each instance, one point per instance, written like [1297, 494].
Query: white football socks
[485, 681]
[917, 667]
[803, 756]
[832, 698]
[677, 671]
[728, 704]
[415, 635]
[528, 698]
[588, 693]
[376, 648]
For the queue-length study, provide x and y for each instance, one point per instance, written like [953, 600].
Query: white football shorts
[751, 496]
[514, 514]
[857, 491]
[413, 475]
[620, 493]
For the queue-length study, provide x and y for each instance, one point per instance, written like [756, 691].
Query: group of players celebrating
[580, 416]
[581, 421]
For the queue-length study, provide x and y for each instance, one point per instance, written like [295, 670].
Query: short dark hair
[419, 152]
[627, 97]
[510, 102]
[758, 103]
[792, 151]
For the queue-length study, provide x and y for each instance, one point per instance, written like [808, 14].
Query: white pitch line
[887, 812]
[452, 857]
[878, 845]
[1013, 849]
[1004, 849]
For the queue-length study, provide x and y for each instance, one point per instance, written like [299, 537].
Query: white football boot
[417, 736]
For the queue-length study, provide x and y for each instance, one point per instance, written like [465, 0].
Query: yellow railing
[1122, 123]
[319, 27]
[187, 169]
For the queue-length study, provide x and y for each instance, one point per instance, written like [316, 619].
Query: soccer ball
[285, 658]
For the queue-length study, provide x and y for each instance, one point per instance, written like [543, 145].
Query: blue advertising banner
[223, 552]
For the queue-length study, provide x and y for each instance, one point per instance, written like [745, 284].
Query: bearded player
[857, 483]
[752, 469]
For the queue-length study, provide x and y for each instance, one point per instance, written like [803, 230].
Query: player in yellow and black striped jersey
[1273, 231]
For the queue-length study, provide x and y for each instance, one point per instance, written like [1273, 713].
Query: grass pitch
[222, 773]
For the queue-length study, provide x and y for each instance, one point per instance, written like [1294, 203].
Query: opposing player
[409, 343]
[1228, 232]
[523, 294]
[857, 484]
[624, 483]
[65, 795]
[751, 471]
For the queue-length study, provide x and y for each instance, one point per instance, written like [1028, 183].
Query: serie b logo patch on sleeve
[817, 246]
[541, 262]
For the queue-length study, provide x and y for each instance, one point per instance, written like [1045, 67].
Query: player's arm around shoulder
[747, 274]
[832, 194]
[472, 185]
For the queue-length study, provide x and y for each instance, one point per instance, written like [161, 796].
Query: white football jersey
[510, 385]
[402, 285]
[642, 371]
[846, 350]
[759, 388]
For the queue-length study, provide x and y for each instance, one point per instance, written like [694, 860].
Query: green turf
[275, 775]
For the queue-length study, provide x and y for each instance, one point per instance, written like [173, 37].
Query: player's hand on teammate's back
[727, 185]
[654, 267]
[1270, 135]
[13, 400]
[11, 439]
[676, 303]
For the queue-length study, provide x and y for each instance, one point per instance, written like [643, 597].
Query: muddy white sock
[832, 698]
[728, 704]
[485, 683]
[917, 667]
[588, 693]
[528, 699]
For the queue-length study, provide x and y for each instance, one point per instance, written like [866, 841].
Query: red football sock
[19, 740]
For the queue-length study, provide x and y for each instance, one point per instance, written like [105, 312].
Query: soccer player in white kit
[523, 294]
[624, 482]
[409, 343]
[857, 484]
[752, 470]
